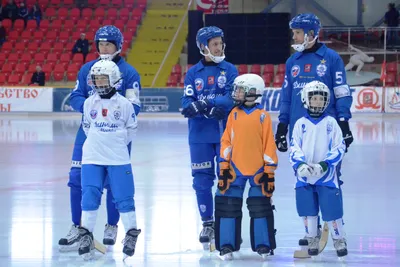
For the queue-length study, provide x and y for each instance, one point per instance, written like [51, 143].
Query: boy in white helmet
[248, 152]
[109, 122]
[316, 150]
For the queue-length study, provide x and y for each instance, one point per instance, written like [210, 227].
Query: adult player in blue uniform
[313, 61]
[207, 102]
[109, 42]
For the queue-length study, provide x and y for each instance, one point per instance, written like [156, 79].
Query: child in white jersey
[316, 148]
[109, 122]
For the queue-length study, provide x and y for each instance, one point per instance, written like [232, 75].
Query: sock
[311, 225]
[75, 201]
[129, 220]
[337, 229]
[89, 219]
[205, 205]
[112, 212]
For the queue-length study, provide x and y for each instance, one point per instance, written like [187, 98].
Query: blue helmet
[204, 35]
[110, 34]
[307, 22]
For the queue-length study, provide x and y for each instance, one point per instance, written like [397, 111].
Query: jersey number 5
[339, 77]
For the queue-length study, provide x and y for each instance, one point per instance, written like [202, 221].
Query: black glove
[216, 113]
[223, 178]
[280, 137]
[195, 108]
[268, 184]
[347, 135]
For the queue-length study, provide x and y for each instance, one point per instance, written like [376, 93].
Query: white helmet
[252, 85]
[315, 88]
[105, 76]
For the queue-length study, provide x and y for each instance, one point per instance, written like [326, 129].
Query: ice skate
[313, 246]
[304, 241]
[71, 241]
[264, 252]
[340, 246]
[226, 253]
[86, 244]
[206, 237]
[129, 242]
[110, 234]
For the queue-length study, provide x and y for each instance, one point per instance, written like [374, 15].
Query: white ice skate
[86, 244]
[110, 234]
[340, 246]
[71, 241]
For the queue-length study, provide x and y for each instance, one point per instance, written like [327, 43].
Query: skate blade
[100, 247]
[212, 246]
[88, 256]
[226, 257]
[68, 248]
[265, 256]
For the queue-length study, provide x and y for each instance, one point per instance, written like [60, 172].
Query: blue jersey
[213, 82]
[83, 88]
[324, 65]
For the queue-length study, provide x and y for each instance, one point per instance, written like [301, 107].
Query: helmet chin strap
[108, 56]
[303, 46]
[215, 59]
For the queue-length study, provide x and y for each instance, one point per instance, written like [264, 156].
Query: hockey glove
[305, 170]
[347, 135]
[267, 182]
[319, 168]
[216, 113]
[280, 137]
[195, 108]
[224, 180]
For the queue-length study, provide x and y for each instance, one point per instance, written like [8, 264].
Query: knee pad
[125, 205]
[91, 197]
[203, 182]
[75, 178]
[228, 221]
[262, 231]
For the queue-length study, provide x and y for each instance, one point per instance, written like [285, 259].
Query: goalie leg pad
[262, 228]
[228, 221]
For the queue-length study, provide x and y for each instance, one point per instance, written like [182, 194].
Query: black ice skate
[304, 241]
[86, 244]
[264, 251]
[340, 246]
[110, 234]
[71, 241]
[226, 253]
[207, 235]
[130, 242]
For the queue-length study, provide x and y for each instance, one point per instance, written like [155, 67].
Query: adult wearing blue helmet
[109, 41]
[206, 102]
[313, 61]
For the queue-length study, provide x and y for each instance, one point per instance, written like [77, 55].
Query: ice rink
[34, 198]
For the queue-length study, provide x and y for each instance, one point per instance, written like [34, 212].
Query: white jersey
[109, 125]
[313, 141]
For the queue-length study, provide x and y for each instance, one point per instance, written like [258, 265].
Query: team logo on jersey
[199, 83]
[221, 79]
[307, 68]
[329, 128]
[295, 71]
[210, 80]
[104, 112]
[117, 115]
[93, 114]
[321, 68]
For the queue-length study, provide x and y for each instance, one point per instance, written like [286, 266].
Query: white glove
[317, 170]
[304, 170]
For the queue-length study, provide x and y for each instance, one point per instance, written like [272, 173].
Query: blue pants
[76, 189]
[311, 198]
[261, 225]
[203, 172]
[120, 179]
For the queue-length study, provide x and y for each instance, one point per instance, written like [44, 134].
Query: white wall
[344, 10]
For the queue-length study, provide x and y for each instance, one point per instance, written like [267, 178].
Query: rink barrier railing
[49, 99]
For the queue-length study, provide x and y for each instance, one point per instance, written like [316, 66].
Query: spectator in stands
[38, 77]
[1, 12]
[10, 10]
[2, 34]
[23, 12]
[36, 14]
[81, 46]
[392, 21]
